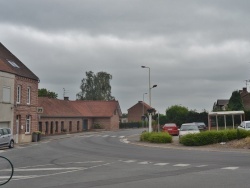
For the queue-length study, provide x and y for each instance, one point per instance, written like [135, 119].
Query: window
[13, 64]
[6, 94]
[28, 120]
[18, 100]
[28, 95]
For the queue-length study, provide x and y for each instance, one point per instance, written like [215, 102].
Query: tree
[235, 102]
[46, 93]
[95, 87]
[177, 114]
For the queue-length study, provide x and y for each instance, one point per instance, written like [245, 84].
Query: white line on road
[230, 168]
[125, 141]
[144, 162]
[46, 169]
[200, 166]
[161, 164]
[181, 165]
[129, 161]
[58, 173]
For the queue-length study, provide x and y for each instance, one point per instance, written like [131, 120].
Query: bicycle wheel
[6, 170]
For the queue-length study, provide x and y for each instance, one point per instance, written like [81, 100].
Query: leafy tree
[177, 114]
[235, 102]
[47, 93]
[95, 87]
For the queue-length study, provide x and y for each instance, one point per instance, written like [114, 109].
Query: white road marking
[230, 168]
[58, 173]
[105, 135]
[125, 141]
[113, 136]
[121, 136]
[144, 162]
[200, 166]
[161, 164]
[44, 169]
[129, 161]
[181, 165]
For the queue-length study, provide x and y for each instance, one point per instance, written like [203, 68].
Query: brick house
[65, 116]
[220, 105]
[136, 112]
[245, 96]
[18, 96]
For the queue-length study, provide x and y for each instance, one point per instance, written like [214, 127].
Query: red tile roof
[79, 108]
[6, 64]
[146, 106]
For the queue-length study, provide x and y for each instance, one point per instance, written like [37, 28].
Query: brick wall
[57, 125]
[22, 110]
[135, 112]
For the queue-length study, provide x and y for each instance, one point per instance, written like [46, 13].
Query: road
[107, 160]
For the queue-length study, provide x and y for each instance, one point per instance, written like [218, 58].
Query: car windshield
[248, 125]
[189, 128]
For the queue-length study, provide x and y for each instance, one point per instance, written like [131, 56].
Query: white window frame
[28, 95]
[28, 124]
[18, 97]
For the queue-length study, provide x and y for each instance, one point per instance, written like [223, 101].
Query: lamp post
[149, 97]
[143, 110]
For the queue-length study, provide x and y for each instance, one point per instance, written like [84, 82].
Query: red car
[171, 128]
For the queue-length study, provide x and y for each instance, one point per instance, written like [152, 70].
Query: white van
[6, 138]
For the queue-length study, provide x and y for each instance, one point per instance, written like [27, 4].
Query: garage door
[4, 124]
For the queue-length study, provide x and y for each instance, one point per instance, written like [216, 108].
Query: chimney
[244, 89]
[66, 98]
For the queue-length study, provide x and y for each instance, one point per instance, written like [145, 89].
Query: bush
[156, 137]
[213, 137]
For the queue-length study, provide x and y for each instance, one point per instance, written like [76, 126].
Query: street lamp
[143, 110]
[150, 115]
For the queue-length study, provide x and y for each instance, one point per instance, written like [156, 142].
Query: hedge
[155, 137]
[213, 137]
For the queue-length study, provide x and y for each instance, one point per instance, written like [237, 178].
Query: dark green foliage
[235, 102]
[95, 87]
[179, 115]
[47, 93]
[213, 137]
[155, 137]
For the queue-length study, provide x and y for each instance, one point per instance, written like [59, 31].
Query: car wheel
[11, 145]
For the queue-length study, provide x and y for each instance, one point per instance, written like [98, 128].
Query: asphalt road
[110, 160]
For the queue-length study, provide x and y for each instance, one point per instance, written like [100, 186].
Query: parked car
[201, 125]
[171, 128]
[244, 125]
[188, 128]
[6, 138]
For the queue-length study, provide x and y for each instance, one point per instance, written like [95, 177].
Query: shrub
[156, 137]
[212, 137]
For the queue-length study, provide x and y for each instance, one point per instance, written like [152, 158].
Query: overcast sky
[198, 51]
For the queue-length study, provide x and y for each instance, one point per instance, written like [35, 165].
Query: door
[85, 125]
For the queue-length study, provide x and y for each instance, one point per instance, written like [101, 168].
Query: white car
[188, 128]
[244, 125]
[6, 138]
